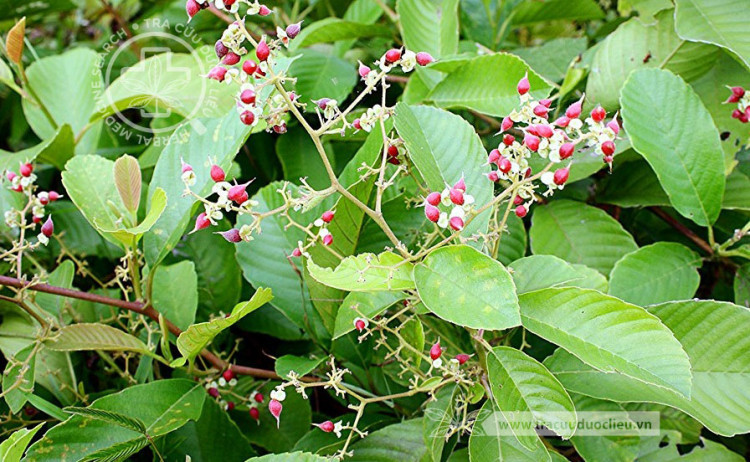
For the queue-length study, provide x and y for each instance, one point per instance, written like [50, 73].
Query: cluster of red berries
[192, 7]
[24, 182]
[325, 236]
[436, 351]
[228, 379]
[740, 97]
[454, 197]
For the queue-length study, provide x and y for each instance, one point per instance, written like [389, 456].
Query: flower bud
[292, 30]
[201, 222]
[217, 173]
[230, 59]
[48, 227]
[326, 426]
[504, 165]
[608, 148]
[521, 211]
[264, 10]
[192, 8]
[531, 141]
[233, 235]
[432, 213]
[433, 198]
[237, 193]
[247, 117]
[574, 110]
[221, 49]
[327, 216]
[363, 70]
[26, 169]
[218, 73]
[275, 407]
[508, 139]
[457, 223]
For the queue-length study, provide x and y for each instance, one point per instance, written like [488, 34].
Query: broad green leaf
[128, 182]
[56, 151]
[609, 334]
[362, 304]
[12, 449]
[532, 12]
[656, 273]
[444, 148]
[438, 416]
[466, 287]
[552, 59]
[165, 84]
[118, 451]
[175, 293]
[321, 75]
[163, 406]
[737, 192]
[579, 233]
[402, 441]
[18, 378]
[524, 389]
[290, 457]
[671, 128]
[593, 447]
[334, 29]
[633, 184]
[297, 364]
[218, 138]
[638, 44]
[112, 417]
[198, 336]
[645, 8]
[412, 331]
[68, 84]
[62, 276]
[742, 286]
[721, 22]
[366, 273]
[487, 84]
[590, 279]
[132, 234]
[492, 441]
[211, 438]
[93, 336]
[707, 450]
[541, 271]
[360, 11]
[513, 242]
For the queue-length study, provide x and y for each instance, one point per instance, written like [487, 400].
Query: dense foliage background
[627, 290]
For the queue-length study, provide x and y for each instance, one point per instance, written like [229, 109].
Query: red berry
[230, 406]
[462, 358]
[509, 139]
[531, 141]
[359, 324]
[248, 96]
[561, 176]
[237, 193]
[328, 239]
[217, 173]
[541, 111]
[258, 397]
[53, 196]
[280, 128]
[393, 161]
[254, 413]
[545, 131]
[233, 235]
[433, 198]
[228, 375]
[598, 114]
[460, 184]
[292, 30]
[424, 58]
[457, 196]
[562, 122]
[249, 67]
[26, 169]
[736, 114]
[493, 176]
[507, 124]
[36, 219]
[517, 200]
[521, 211]
[214, 392]
[327, 216]
[48, 227]
[296, 252]
[493, 157]
[247, 117]
[504, 165]
[201, 222]
[608, 148]
[221, 49]
[432, 213]
[326, 426]
[436, 351]
[44, 200]
[392, 55]
[736, 96]
[393, 150]
[457, 223]
[192, 7]
[322, 103]
[357, 124]
[574, 110]
[523, 86]
[231, 59]
[275, 407]
[264, 10]
[566, 150]
[262, 51]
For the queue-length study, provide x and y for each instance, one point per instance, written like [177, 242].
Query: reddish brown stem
[139, 308]
[682, 229]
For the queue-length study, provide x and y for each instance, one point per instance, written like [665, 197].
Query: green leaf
[592, 447]
[742, 286]
[402, 441]
[334, 29]
[720, 366]
[609, 334]
[591, 279]
[290, 457]
[128, 182]
[163, 406]
[68, 84]
[62, 276]
[321, 75]
[56, 151]
[362, 304]
[721, 22]
[579, 233]
[490, 440]
[444, 148]
[222, 138]
[513, 243]
[175, 293]
[542, 271]
[469, 87]
[638, 44]
[93, 336]
[12, 449]
[737, 192]
[18, 378]
[524, 389]
[109, 416]
[466, 287]
[366, 273]
[132, 234]
[550, 10]
[671, 128]
[118, 452]
[439, 414]
[198, 336]
[298, 364]
[656, 273]
[553, 58]
[11, 10]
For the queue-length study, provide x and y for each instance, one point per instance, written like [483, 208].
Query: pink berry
[457, 196]
[541, 110]
[433, 198]
[10, 175]
[296, 252]
[36, 219]
[521, 211]
[275, 407]
[517, 200]
[493, 176]
[280, 128]
[53, 196]
[231, 59]
[598, 114]
[462, 358]
[561, 176]
[363, 70]
[614, 126]
[228, 375]
[504, 165]
[424, 58]
[507, 124]
[26, 169]
[432, 213]
[562, 122]
[248, 96]
[457, 223]
[460, 185]
[566, 150]
[258, 397]
[574, 110]
[262, 51]
[217, 173]
[292, 30]
[608, 148]
[737, 94]
[545, 102]
[436, 351]
[249, 67]
[322, 103]
[230, 405]
[214, 392]
[247, 117]
[328, 239]
[531, 141]
[357, 124]
[327, 216]
[254, 413]
[237, 193]
[192, 8]
[360, 325]
[264, 10]
[509, 139]
[186, 167]
[493, 157]
[545, 131]
[392, 55]
[326, 426]
[218, 73]
[233, 235]
[201, 222]
[523, 86]
[48, 227]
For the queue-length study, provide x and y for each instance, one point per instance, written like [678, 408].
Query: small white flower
[437, 363]
[43, 239]
[443, 220]
[458, 211]
[548, 178]
[408, 61]
[575, 124]
[338, 427]
[222, 382]
[319, 222]
[278, 394]
[189, 178]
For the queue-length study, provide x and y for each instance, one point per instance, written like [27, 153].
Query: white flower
[437, 363]
[458, 211]
[222, 382]
[548, 178]
[408, 61]
[443, 220]
[371, 78]
[445, 197]
[43, 239]
[221, 6]
[278, 394]
[323, 232]
[337, 428]
[575, 124]
[189, 178]
[246, 232]
[331, 108]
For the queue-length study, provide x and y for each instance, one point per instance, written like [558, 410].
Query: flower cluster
[453, 198]
[740, 97]
[24, 182]
[224, 385]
